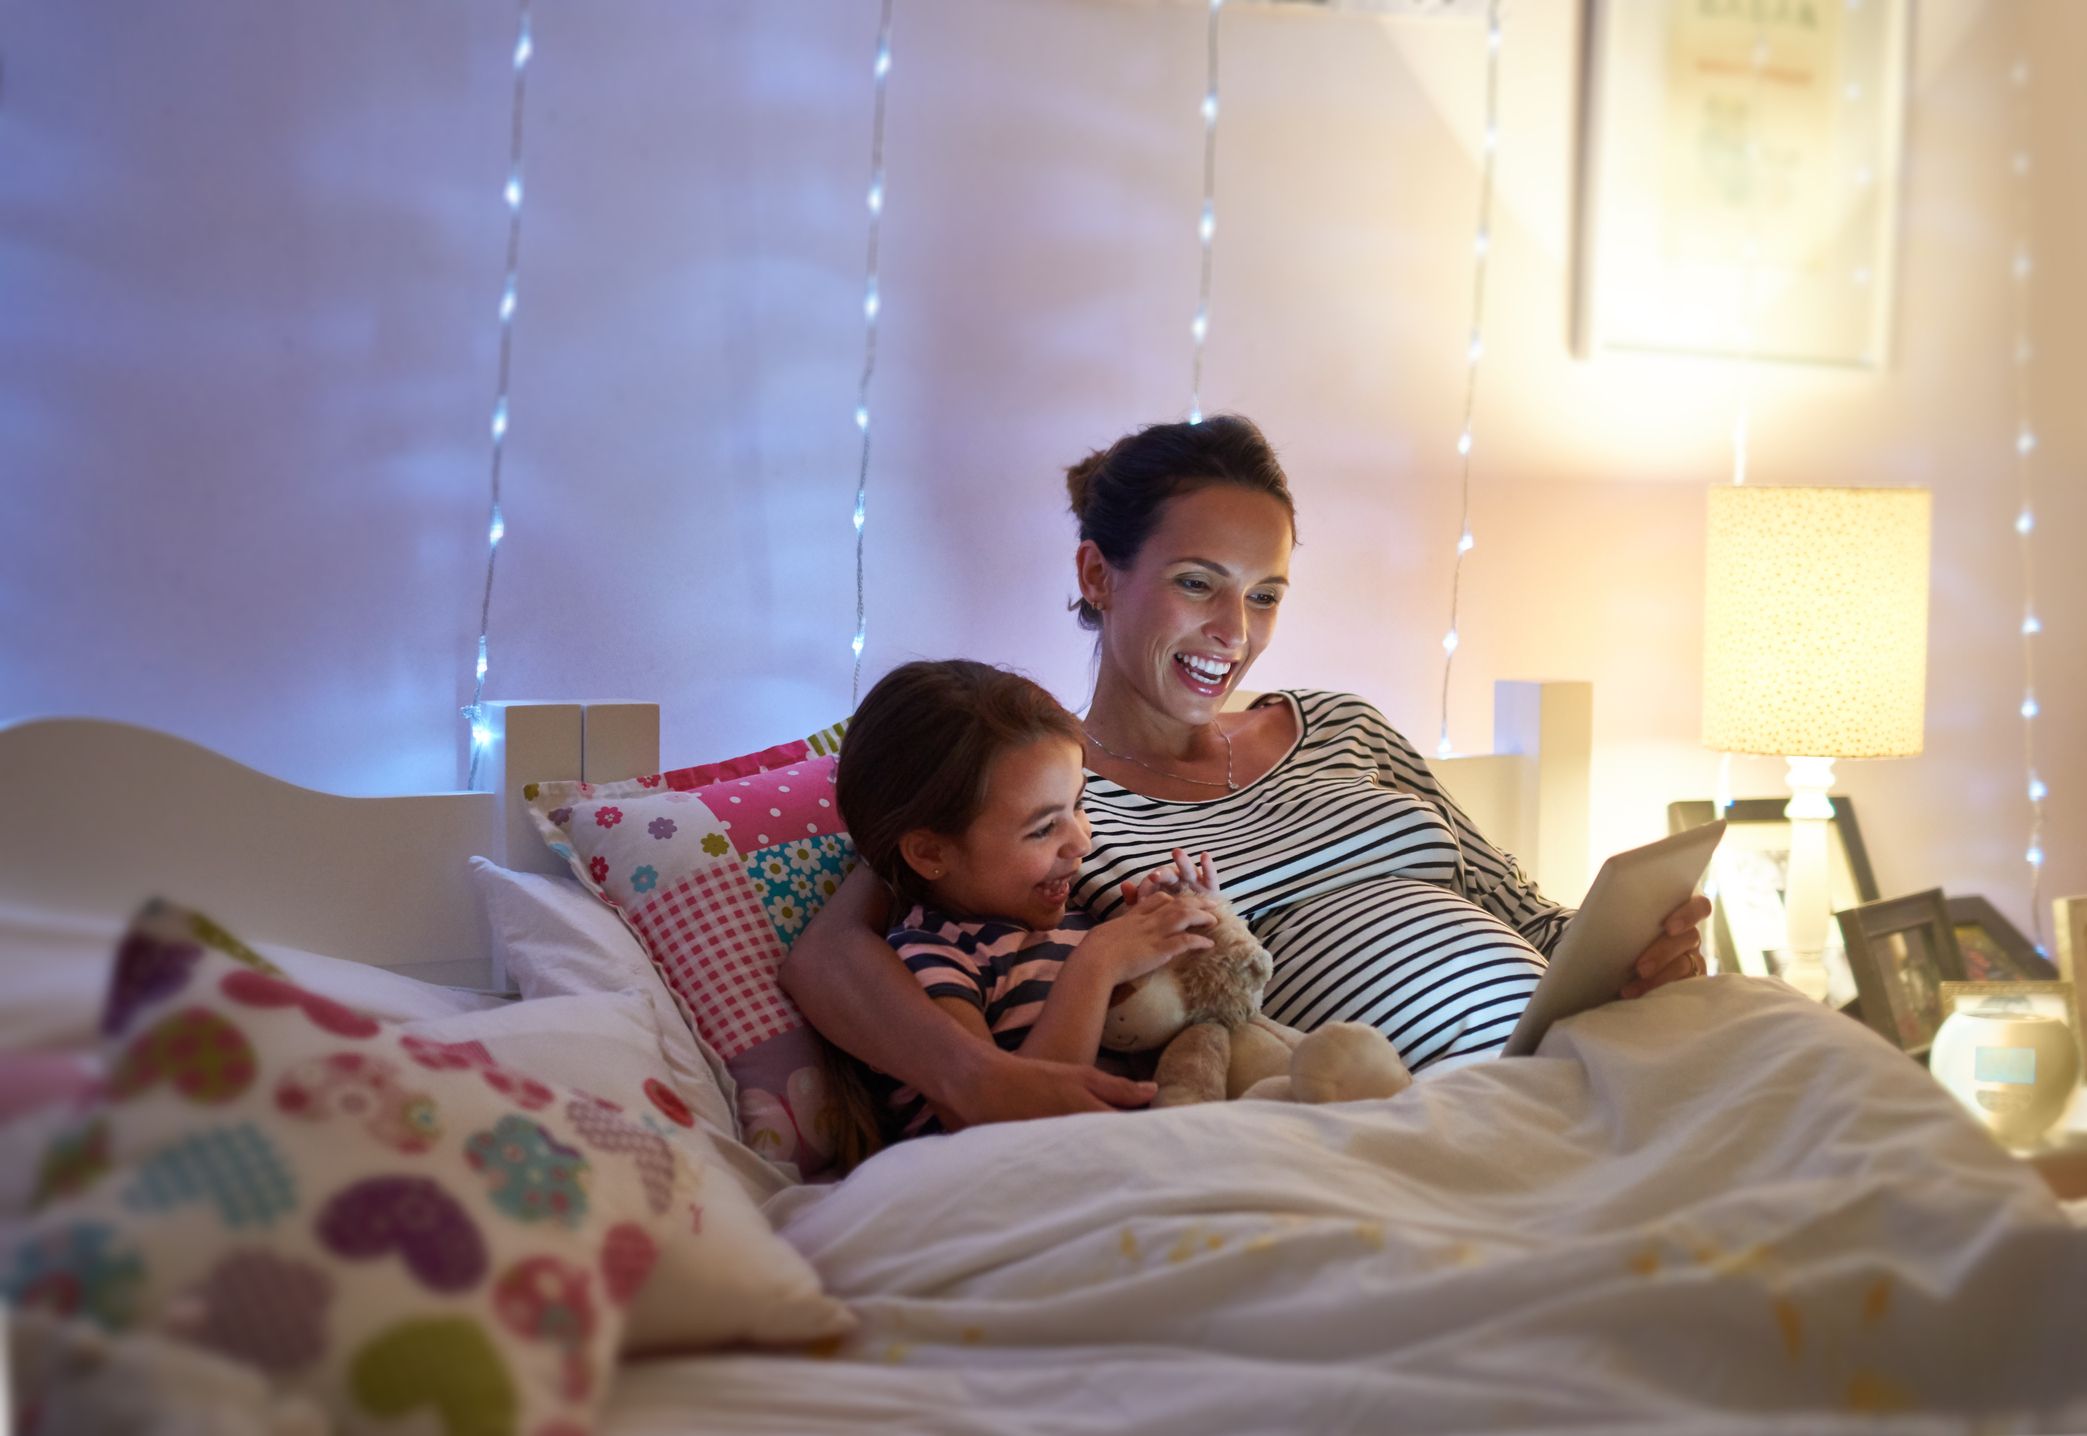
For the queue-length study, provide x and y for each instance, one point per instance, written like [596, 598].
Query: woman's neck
[1127, 723]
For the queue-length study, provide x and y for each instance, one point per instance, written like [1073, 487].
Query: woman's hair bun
[1079, 482]
[1117, 493]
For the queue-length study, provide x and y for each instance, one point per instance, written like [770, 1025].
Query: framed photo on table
[1992, 948]
[1739, 178]
[2069, 916]
[1902, 951]
[1750, 877]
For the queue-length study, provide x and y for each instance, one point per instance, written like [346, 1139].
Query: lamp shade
[1815, 625]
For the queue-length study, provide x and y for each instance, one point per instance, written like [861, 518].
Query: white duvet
[1721, 1207]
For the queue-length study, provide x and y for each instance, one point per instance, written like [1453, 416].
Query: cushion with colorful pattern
[718, 869]
[399, 1227]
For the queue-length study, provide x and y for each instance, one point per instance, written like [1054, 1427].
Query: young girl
[960, 784]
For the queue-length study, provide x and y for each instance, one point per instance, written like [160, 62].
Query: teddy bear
[1204, 1009]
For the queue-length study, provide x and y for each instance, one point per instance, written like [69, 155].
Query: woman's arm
[854, 989]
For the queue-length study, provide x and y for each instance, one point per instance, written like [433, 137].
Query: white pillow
[55, 966]
[614, 1046]
[553, 938]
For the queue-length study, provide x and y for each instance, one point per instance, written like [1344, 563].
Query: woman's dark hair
[920, 748]
[1117, 493]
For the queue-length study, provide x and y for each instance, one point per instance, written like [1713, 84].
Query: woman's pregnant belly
[1434, 972]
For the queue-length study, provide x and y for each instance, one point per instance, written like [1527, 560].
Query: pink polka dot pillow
[395, 1226]
[717, 870]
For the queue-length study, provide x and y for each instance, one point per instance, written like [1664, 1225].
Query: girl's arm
[857, 993]
[1139, 939]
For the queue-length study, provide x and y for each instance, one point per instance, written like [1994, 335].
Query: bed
[1720, 1208]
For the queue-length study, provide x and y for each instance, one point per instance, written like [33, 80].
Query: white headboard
[107, 815]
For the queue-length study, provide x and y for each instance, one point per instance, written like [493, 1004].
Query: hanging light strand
[1750, 256]
[2022, 269]
[1750, 266]
[1474, 350]
[496, 522]
[880, 69]
[1206, 224]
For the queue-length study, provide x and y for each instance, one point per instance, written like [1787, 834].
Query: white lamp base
[1807, 904]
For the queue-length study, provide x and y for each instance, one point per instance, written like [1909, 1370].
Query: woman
[1374, 894]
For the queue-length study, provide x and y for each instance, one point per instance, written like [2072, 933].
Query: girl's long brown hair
[920, 748]
[918, 754]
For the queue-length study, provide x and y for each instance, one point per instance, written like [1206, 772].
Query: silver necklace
[1228, 785]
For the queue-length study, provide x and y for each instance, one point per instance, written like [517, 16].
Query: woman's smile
[1205, 675]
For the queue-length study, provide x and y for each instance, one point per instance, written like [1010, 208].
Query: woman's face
[1183, 623]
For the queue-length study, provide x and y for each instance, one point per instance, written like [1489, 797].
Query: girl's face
[1021, 853]
[1183, 623]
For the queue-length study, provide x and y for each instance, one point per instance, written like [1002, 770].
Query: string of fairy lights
[2024, 440]
[496, 523]
[2023, 270]
[1750, 262]
[1474, 350]
[1206, 225]
[872, 302]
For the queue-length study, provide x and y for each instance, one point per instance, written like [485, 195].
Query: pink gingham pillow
[718, 869]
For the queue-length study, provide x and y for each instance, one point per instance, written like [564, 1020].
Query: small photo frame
[2069, 920]
[1901, 951]
[1750, 874]
[1992, 948]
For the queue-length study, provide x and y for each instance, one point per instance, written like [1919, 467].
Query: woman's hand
[1675, 954]
[1144, 937]
[1006, 1087]
[1199, 876]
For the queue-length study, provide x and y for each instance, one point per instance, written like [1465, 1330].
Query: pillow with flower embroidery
[608, 1045]
[398, 1228]
[718, 870]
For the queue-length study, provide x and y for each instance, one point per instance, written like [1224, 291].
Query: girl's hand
[1200, 876]
[1145, 937]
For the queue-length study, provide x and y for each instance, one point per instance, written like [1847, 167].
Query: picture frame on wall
[1735, 202]
[1749, 881]
[1994, 949]
[1901, 951]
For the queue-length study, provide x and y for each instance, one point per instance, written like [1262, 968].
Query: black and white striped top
[1377, 898]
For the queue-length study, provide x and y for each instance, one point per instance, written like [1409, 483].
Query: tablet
[1631, 897]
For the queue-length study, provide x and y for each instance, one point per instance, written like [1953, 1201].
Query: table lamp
[1815, 641]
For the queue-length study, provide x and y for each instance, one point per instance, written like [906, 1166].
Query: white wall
[249, 256]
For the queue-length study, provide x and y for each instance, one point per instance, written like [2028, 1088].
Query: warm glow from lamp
[1815, 644]
[1815, 630]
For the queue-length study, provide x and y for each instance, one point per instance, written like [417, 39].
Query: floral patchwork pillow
[717, 870]
[396, 1226]
[610, 1046]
